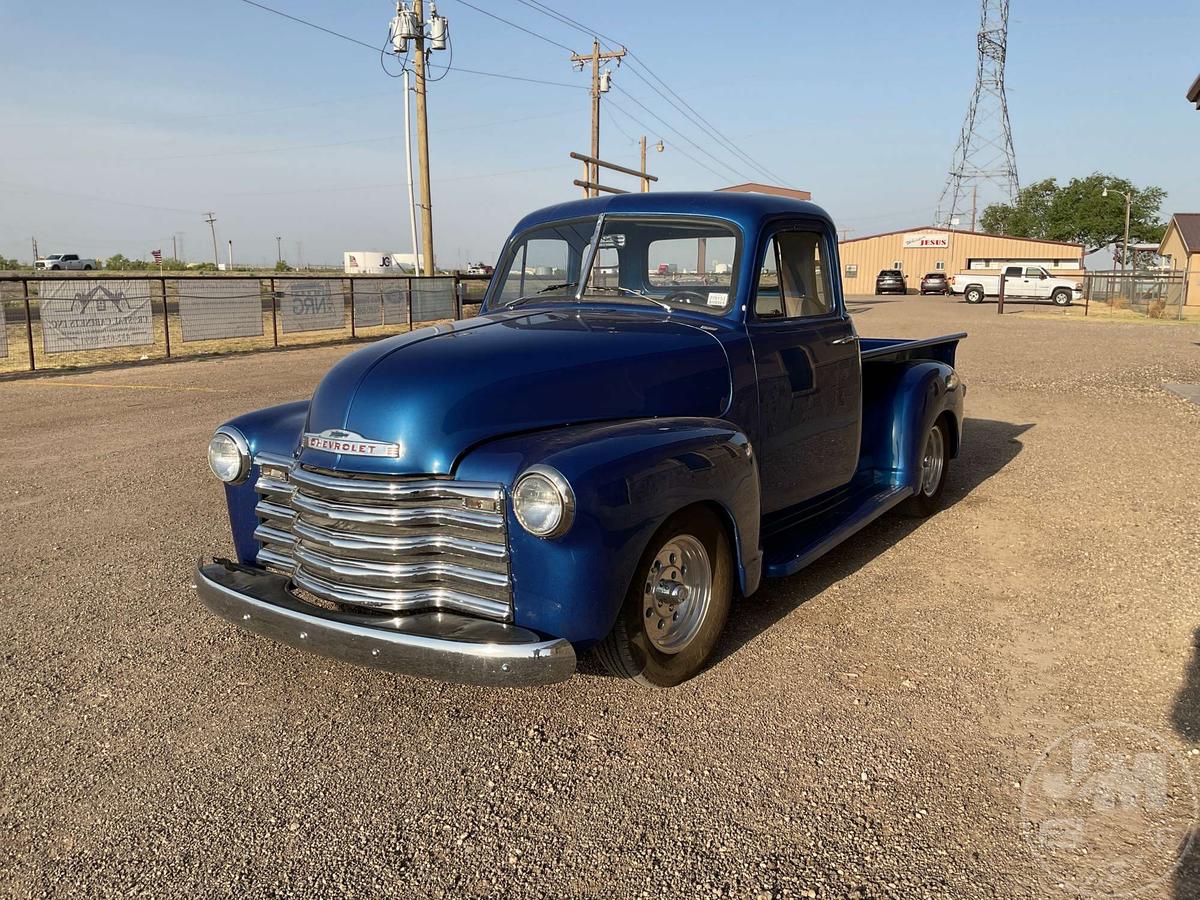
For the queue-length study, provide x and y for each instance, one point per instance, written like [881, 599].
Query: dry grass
[1158, 313]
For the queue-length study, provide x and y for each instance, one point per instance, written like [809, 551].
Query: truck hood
[439, 391]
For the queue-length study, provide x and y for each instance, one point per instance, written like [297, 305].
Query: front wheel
[931, 477]
[677, 604]
[973, 295]
[1061, 297]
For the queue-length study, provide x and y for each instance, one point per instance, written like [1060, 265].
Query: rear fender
[901, 401]
[628, 478]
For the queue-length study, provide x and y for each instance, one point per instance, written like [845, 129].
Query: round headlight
[229, 455]
[543, 502]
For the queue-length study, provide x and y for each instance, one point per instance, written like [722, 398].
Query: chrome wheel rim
[933, 462]
[677, 593]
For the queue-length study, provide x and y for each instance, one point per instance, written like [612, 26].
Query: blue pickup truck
[662, 400]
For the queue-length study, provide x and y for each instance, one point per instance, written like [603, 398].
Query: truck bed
[941, 349]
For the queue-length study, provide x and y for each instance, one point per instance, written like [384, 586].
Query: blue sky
[126, 123]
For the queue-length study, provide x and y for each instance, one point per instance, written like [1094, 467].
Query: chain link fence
[67, 322]
[1156, 295]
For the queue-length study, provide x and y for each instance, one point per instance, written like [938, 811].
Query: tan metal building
[1181, 247]
[916, 251]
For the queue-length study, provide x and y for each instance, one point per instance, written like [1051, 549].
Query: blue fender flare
[275, 430]
[628, 478]
[900, 405]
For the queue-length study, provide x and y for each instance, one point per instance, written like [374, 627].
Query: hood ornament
[338, 440]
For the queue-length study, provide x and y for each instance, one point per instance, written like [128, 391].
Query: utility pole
[230, 254]
[423, 138]
[35, 256]
[974, 200]
[645, 180]
[600, 85]
[645, 183]
[412, 203]
[212, 227]
[279, 248]
[174, 248]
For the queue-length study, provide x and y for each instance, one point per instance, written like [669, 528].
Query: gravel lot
[867, 730]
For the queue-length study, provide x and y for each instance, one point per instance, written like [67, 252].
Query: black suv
[890, 281]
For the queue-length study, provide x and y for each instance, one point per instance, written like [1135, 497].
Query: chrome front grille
[386, 543]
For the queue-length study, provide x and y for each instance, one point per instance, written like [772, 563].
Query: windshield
[680, 262]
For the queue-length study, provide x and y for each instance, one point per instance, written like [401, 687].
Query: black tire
[925, 502]
[1061, 297]
[973, 294]
[87, 268]
[628, 652]
[54, 268]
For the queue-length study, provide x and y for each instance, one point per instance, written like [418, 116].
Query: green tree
[282, 266]
[9, 263]
[1079, 212]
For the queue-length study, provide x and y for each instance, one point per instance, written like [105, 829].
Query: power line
[338, 34]
[712, 128]
[736, 172]
[535, 34]
[695, 118]
[375, 49]
[24, 188]
[677, 148]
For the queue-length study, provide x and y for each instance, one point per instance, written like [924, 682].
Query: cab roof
[747, 210]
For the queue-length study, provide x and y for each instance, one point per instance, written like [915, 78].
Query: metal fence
[1158, 295]
[69, 321]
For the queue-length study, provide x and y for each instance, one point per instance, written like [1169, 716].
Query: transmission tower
[984, 155]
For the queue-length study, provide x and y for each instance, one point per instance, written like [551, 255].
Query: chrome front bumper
[438, 645]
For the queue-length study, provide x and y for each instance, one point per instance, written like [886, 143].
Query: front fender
[628, 477]
[275, 430]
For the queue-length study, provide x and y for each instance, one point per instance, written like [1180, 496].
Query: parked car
[890, 281]
[56, 261]
[584, 465]
[1020, 283]
[935, 283]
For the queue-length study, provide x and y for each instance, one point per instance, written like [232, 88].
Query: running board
[791, 549]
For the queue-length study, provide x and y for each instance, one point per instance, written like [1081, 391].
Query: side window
[606, 268]
[792, 282]
[768, 302]
[1033, 272]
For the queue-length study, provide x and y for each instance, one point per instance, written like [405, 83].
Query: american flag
[157, 254]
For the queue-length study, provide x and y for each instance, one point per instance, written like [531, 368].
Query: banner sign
[433, 299]
[91, 315]
[311, 304]
[210, 309]
[926, 240]
[380, 301]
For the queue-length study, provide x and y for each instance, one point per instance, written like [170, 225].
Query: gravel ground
[866, 731]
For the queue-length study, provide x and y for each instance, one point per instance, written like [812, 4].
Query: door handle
[848, 339]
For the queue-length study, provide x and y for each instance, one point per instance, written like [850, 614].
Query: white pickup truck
[56, 261]
[1020, 283]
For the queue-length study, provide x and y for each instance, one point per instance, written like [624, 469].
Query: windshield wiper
[644, 296]
[536, 294]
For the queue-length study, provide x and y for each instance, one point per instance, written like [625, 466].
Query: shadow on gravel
[987, 447]
[1185, 716]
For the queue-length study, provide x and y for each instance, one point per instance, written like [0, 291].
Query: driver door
[809, 372]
